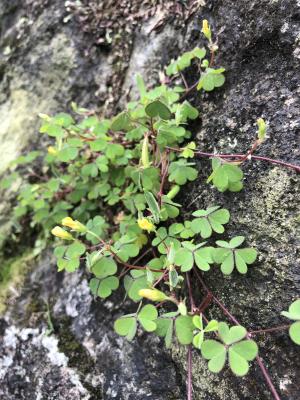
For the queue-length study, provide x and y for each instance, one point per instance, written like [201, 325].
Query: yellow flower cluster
[69, 223]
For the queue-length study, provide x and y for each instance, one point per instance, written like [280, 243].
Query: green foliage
[239, 351]
[211, 79]
[226, 176]
[185, 60]
[111, 184]
[294, 314]
[229, 256]
[209, 220]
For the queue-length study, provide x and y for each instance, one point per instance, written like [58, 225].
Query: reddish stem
[274, 329]
[192, 303]
[242, 156]
[189, 377]
[233, 319]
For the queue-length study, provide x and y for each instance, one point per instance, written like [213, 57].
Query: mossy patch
[12, 276]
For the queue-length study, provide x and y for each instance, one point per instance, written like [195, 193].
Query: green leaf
[126, 326]
[247, 349]
[134, 283]
[120, 122]
[238, 364]
[184, 329]
[216, 353]
[198, 340]
[229, 257]
[212, 326]
[211, 79]
[294, 332]
[232, 335]
[248, 255]
[226, 176]
[294, 311]
[236, 241]
[103, 288]
[164, 329]
[106, 266]
[158, 109]
[146, 317]
[239, 355]
[228, 264]
[185, 259]
[197, 321]
[67, 154]
[68, 265]
[203, 257]
[76, 249]
[153, 206]
[181, 172]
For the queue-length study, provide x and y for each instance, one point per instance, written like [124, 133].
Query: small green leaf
[216, 353]
[294, 311]
[106, 266]
[158, 109]
[294, 332]
[146, 317]
[76, 249]
[120, 122]
[184, 329]
[236, 241]
[126, 326]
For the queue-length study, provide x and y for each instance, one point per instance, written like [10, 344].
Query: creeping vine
[107, 190]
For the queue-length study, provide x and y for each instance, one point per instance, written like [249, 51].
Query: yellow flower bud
[206, 29]
[145, 153]
[75, 225]
[61, 233]
[153, 294]
[52, 150]
[146, 225]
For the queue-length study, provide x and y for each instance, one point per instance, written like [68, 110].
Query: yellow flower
[153, 294]
[75, 225]
[61, 233]
[146, 225]
[206, 29]
[52, 150]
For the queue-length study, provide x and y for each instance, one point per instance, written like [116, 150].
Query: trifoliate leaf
[180, 172]
[209, 220]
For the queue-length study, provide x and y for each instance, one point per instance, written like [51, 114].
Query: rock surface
[51, 55]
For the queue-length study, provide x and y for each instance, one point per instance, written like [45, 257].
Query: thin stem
[274, 329]
[190, 89]
[192, 303]
[241, 156]
[267, 378]
[189, 377]
[184, 81]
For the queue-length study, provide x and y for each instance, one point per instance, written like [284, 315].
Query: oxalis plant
[108, 190]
